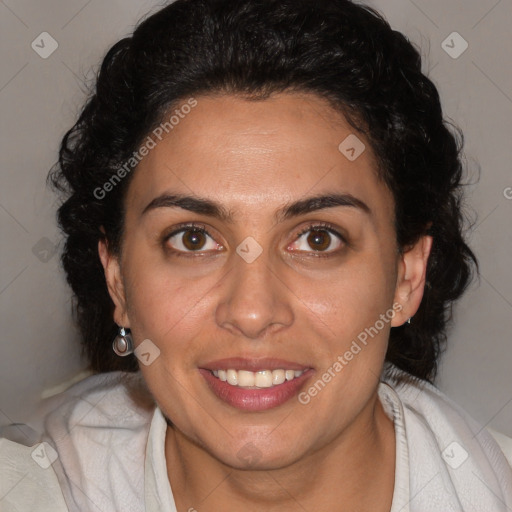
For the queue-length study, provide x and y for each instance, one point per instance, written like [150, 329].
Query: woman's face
[296, 263]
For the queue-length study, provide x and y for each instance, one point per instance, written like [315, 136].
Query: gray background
[39, 101]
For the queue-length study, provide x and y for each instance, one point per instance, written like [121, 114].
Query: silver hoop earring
[123, 343]
[409, 320]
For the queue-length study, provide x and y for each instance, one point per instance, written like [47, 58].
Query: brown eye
[317, 239]
[191, 239]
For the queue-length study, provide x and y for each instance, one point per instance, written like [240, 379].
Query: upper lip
[253, 365]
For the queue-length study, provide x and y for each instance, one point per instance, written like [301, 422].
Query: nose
[254, 300]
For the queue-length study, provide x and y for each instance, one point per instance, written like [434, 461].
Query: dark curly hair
[343, 52]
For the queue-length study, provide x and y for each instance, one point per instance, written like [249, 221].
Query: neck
[353, 472]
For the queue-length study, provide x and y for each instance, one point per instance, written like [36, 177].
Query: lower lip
[254, 399]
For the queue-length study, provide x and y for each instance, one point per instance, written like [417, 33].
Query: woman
[263, 211]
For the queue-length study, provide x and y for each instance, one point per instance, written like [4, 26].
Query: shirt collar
[158, 492]
[157, 489]
[393, 408]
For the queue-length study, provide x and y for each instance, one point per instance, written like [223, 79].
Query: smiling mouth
[256, 380]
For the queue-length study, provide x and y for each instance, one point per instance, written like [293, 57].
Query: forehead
[253, 156]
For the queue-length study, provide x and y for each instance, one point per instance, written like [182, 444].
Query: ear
[114, 281]
[412, 271]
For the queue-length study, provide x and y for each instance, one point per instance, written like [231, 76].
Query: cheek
[347, 300]
[162, 303]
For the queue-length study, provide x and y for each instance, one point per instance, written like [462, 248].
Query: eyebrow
[210, 208]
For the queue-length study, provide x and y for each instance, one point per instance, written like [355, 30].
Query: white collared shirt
[109, 439]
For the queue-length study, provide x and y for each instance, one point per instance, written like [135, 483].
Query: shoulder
[92, 448]
[425, 401]
[93, 443]
[107, 401]
[27, 479]
[446, 444]
[99, 429]
[504, 442]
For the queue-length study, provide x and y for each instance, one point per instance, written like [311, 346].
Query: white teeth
[263, 379]
[245, 378]
[260, 379]
[232, 377]
[278, 377]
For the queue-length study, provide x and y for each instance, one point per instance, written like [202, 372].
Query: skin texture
[293, 302]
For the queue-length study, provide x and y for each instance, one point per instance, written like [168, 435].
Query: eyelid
[321, 226]
[192, 226]
[183, 227]
[195, 226]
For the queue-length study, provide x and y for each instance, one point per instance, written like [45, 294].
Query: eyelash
[323, 226]
[200, 228]
[181, 228]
